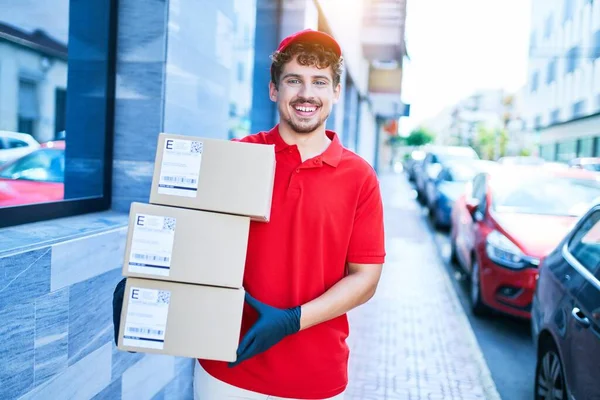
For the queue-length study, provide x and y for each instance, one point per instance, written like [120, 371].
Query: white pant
[208, 388]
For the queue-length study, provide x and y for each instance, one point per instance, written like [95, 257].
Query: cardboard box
[181, 319]
[214, 175]
[183, 245]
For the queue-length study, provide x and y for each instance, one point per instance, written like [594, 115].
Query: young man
[320, 255]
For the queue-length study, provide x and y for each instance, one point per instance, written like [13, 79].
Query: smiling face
[305, 96]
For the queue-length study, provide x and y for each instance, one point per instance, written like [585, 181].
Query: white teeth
[306, 109]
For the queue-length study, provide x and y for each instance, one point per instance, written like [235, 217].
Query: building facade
[134, 68]
[562, 100]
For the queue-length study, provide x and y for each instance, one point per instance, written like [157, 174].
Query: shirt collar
[332, 155]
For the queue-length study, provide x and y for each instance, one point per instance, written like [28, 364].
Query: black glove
[272, 326]
[118, 295]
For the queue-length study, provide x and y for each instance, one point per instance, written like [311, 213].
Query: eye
[321, 83]
[293, 81]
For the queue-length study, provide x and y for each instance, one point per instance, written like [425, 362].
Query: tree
[419, 137]
[491, 143]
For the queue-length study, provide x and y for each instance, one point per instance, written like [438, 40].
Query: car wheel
[549, 375]
[477, 305]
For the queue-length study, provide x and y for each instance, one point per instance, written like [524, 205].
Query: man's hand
[272, 326]
[118, 295]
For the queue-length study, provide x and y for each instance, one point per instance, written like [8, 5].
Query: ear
[273, 92]
[336, 93]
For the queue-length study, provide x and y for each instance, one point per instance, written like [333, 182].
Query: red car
[508, 220]
[37, 177]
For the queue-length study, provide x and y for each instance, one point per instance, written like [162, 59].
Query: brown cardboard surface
[207, 248]
[232, 177]
[201, 322]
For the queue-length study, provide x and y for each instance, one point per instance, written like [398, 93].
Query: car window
[585, 248]
[479, 187]
[15, 143]
[2, 146]
[46, 165]
[585, 244]
[545, 195]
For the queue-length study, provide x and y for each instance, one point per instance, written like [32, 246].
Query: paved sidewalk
[412, 341]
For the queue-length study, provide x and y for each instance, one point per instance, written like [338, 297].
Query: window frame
[29, 213]
[570, 258]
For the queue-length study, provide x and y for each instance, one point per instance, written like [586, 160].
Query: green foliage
[489, 142]
[420, 137]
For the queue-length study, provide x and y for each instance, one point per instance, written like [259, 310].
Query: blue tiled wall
[266, 40]
[57, 277]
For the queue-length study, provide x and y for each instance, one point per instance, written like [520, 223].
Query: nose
[306, 91]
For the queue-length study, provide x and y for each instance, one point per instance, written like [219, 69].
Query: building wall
[564, 69]
[57, 277]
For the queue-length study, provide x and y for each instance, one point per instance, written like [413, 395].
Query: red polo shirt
[326, 211]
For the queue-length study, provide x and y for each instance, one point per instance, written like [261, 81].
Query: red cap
[309, 35]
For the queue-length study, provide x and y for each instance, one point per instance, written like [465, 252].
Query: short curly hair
[309, 54]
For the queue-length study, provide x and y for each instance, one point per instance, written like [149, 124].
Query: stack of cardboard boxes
[186, 250]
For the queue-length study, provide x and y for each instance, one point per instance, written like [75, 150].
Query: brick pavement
[412, 341]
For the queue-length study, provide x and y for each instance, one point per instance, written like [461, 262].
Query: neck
[309, 144]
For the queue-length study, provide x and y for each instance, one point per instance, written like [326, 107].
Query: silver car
[14, 145]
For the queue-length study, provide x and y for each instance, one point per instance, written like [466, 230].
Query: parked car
[448, 185]
[507, 222]
[415, 157]
[589, 163]
[566, 315]
[14, 145]
[521, 160]
[34, 178]
[438, 155]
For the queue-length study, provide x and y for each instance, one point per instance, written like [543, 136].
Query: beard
[304, 125]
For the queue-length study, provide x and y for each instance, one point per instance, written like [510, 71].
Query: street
[505, 341]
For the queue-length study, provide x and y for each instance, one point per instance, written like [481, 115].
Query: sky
[29, 15]
[459, 46]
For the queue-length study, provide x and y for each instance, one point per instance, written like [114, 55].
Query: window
[595, 49]
[480, 191]
[586, 147]
[548, 27]
[56, 145]
[240, 72]
[573, 58]
[551, 71]
[555, 116]
[547, 151]
[578, 109]
[568, 8]
[28, 113]
[532, 42]
[15, 144]
[567, 150]
[535, 81]
[60, 108]
[585, 244]
[537, 123]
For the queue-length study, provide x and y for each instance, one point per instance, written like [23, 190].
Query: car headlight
[503, 251]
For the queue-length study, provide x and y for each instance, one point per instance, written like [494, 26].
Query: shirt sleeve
[367, 241]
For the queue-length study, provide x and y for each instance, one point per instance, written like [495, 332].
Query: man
[320, 255]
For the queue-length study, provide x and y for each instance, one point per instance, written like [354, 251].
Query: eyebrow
[299, 76]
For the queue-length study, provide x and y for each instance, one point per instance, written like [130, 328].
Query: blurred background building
[562, 100]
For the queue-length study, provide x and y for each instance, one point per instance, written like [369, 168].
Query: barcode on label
[146, 331]
[196, 147]
[179, 179]
[146, 257]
